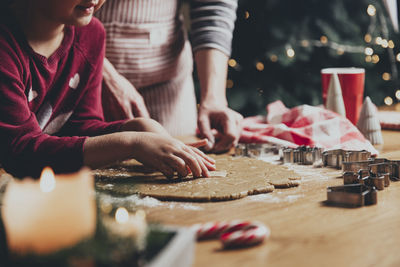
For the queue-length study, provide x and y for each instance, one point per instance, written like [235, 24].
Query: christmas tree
[280, 47]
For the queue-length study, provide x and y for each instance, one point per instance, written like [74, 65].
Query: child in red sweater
[51, 55]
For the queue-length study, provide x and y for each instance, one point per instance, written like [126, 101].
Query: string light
[260, 66]
[398, 94]
[375, 59]
[377, 34]
[385, 43]
[305, 43]
[232, 62]
[368, 38]
[229, 84]
[369, 51]
[290, 52]
[334, 46]
[388, 101]
[323, 39]
[371, 10]
[273, 58]
[386, 76]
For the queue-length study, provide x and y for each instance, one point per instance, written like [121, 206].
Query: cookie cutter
[379, 166]
[350, 177]
[379, 181]
[241, 150]
[287, 155]
[254, 150]
[304, 155]
[335, 158]
[355, 166]
[353, 195]
[385, 169]
[378, 160]
[395, 174]
[356, 155]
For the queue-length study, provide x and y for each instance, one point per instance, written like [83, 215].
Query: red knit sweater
[49, 105]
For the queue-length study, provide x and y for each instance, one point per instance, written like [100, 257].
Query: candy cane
[233, 233]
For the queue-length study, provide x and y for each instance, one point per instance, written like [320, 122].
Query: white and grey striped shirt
[212, 23]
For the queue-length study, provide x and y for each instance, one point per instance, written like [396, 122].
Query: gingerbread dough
[236, 177]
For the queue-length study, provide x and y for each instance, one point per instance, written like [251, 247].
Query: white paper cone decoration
[334, 100]
[368, 123]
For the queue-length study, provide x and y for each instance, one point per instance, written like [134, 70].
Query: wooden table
[304, 231]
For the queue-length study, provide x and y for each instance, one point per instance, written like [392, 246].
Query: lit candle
[47, 215]
[128, 225]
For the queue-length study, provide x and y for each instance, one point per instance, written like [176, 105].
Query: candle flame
[122, 215]
[47, 180]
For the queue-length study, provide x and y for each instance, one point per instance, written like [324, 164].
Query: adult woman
[147, 44]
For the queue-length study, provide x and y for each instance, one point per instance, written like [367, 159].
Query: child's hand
[144, 125]
[170, 155]
[198, 144]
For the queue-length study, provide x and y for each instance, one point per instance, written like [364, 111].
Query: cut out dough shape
[236, 177]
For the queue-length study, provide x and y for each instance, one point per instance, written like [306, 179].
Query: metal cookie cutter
[255, 150]
[355, 166]
[395, 175]
[378, 181]
[365, 177]
[356, 155]
[287, 155]
[354, 177]
[380, 166]
[382, 169]
[304, 155]
[241, 150]
[335, 158]
[352, 195]
[378, 160]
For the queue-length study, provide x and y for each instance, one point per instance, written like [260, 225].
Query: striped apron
[147, 43]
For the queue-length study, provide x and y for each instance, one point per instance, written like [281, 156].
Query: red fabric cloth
[304, 125]
[48, 105]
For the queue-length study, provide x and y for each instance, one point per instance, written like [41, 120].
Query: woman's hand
[214, 113]
[120, 98]
[226, 121]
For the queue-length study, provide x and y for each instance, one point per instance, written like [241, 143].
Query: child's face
[71, 12]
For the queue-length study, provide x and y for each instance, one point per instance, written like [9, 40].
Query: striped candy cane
[233, 233]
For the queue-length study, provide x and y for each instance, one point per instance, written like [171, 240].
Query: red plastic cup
[352, 84]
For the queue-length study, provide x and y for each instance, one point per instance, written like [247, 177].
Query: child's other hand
[170, 155]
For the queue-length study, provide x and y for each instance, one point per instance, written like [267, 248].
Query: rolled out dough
[236, 177]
